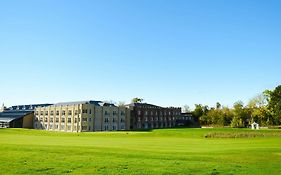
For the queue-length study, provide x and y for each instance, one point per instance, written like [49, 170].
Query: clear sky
[169, 53]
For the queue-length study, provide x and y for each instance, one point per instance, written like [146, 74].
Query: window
[36, 113]
[151, 113]
[145, 113]
[75, 120]
[41, 112]
[122, 120]
[57, 112]
[113, 127]
[84, 111]
[122, 113]
[36, 119]
[114, 112]
[139, 112]
[41, 119]
[84, 128]
[62, 127]
[46, 112]
[62, 119]
[84, 119]
[113, 120]
[52, 112]
[46, 119]
[139, 119]
[106, 113]
[69, 112]
[90, 111]
[57, 126]
[63, 112]
[89, 128]
[106, 120]
[90, 119]
[69, 127]
[51, 119]
[76, 112]
[68, 120]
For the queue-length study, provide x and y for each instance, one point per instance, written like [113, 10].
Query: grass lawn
[163, 151]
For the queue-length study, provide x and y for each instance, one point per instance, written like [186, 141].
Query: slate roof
[143, 105]
[29, 107]
[96, 103]
[147, 105]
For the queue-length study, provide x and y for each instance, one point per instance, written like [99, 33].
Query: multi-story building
[148, 116]
[82, 116]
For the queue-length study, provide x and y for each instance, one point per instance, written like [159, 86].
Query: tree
[275, 104]
[137, 100]
[198, 111]
[121, 104]
[258, 101]
[241, 115]
[186, 108]
[218, 105]
[236, 122]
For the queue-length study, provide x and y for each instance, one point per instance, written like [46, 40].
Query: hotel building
[84, 116]
[148, 116]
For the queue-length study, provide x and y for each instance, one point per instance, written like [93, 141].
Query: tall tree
[198, 111]
[186, 108]
[121, 104]
[258, 101]
[137, 100]
[218, 105]
[241, 115]
[275, 104]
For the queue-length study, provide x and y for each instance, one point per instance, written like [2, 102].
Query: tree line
[264, 109]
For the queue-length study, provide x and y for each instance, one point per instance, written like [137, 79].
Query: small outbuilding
[255, 125]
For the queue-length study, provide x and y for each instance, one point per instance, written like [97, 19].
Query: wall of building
[58, 118]
[28, 121]
[149, 117]
[81, 118]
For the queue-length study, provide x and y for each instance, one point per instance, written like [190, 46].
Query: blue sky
[169, 52]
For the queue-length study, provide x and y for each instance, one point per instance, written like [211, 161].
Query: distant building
[20, 116]
[148, 116]
[187, 119]
[82, 116]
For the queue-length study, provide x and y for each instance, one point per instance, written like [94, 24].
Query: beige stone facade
[82, 117]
